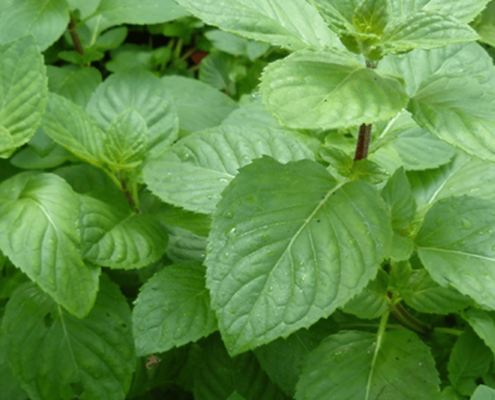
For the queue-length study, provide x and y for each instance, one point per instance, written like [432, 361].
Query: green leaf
[23, 92]
[46, 20]
[398, 195]
[287, 248]
[486, 26]
[58, 356]
[117, 12]
[425, 295]
[117, 237]
[449, 393]
[459, 111]
[470, 359]
[455, 245]
[222, 71]
[235, 396]
[338, 14]
[199, 224]
[85, 7]
[38, 232]
[483, 323]
[372, 302]
[28, 158]
[125, 141]
[217, 375]
[235, 45]
[402, 248]
[199, 105]
[75, 84]
[198, 168]
[483, 393]
[425, 30]
[172, 309]
[404, 368]
[290, 24]
[185, 246]
[145, 93]
[329, 90]
[11, 387]
[283, 359]
[370, 17]
[69, 125]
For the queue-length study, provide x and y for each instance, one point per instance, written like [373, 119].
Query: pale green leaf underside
[38, 233]
[54, 353]
[329, 90]
[288, 23]
[23, 92]
[404, 368]
[69, 125]
[455, 245]
[458, 110]
[118, 238]
[288, 246]
[199, 106]
[46, 20]
[147, 95]
[172, 309]
[193, 173]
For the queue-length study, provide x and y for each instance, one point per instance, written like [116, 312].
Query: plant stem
[448, 331]
[379, 338]
[363, 143]
[75, 37]
[128, 195]
[406, 319]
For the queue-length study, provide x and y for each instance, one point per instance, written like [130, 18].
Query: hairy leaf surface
[288, 246]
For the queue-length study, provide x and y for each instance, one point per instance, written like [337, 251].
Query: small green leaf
[287, 23]
[45, 20]
[185, 246]
[470, 359]
[402, 248]
[455, 245]
[483, 323]
[125, 141]
[69, 125]
[370, 17]
[483, 393]
[338, 13]
[85, 7]
[235, 45]
[117, 237]
[172, 309]
[425, 295]
[147, 95]
[38, 233]
[28, 158]
[404, 368]
[58, 356]
[199, 105]
[329, 90]
[193, 173]
[242, 374]
[287, 248]
[23, 92]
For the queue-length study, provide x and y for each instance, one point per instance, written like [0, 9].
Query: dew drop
[466, 224]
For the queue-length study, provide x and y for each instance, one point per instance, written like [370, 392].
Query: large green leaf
[199, 105]
[193, 173]
[115, 236]
[38, 232]
[342, 367]
[69, 125]
[483, 323]
[288, 246]
[148, 95]
[46, 20]
[11, 387]
[469, 361]
[172, 309]
[288, 23]
[483, 393]
[458, 110]
[455, 245]
[217, 375]
[329, 90]
[23, 92]
[58, 356]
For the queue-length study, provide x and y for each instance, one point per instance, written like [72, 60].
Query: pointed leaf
[201, 165]
[398, 196]
[125, 141]
[455, 245]
[45, 20]
[145, 93]
[370, 17]
[38, 233]
[172, 309]
[338, 13]
[185, 246]
[69, 125]
[287, 247]
[59, 356]
[329, 90]
[483, 323]
[404, 368]
[459, 111]
[291, 24]
[23, 92]
[77, 84]
[117, 237]
[483, 393]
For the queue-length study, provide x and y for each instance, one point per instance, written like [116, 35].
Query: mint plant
[269, 199]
